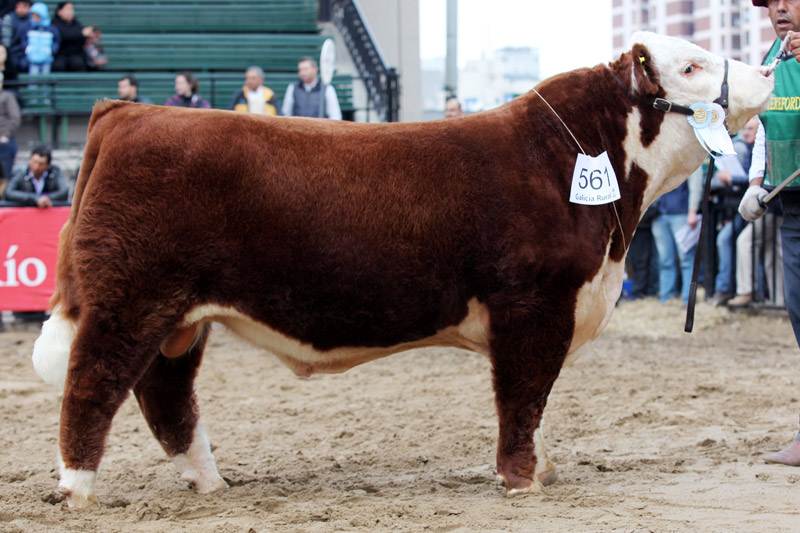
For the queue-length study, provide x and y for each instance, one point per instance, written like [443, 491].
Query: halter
[671, 107]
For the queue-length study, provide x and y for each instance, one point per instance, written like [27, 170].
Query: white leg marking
[197, 465]
[51, 349]
[545, 470]
[534, 488]
[78, 486]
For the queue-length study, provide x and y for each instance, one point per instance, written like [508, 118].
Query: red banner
[28, 253]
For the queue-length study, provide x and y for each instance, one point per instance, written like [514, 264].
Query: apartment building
[730, 28]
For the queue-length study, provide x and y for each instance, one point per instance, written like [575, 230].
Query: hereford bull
[332, 244]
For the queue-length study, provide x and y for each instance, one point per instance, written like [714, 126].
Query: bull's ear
[645, 76]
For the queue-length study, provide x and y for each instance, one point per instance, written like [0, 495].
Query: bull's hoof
[548, 477]
[76, 499]
[204, 483]
[520, 486]
[79, 487]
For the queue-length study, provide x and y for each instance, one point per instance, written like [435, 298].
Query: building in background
[730, 28]
[483, 83]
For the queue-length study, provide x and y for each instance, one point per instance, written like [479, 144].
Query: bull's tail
[51, 350]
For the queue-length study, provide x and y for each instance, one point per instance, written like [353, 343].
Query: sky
[569, 35]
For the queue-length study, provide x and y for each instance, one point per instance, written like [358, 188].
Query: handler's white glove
[751, 208]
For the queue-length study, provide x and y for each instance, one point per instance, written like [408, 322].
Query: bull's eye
[689, 69]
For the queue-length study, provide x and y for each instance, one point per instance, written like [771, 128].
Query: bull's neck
[595, 116]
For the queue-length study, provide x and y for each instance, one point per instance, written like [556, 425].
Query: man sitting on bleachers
[39, 183]
[128, 90]
[255, 97]
[303, 97]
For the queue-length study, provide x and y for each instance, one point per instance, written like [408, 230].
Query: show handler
[777, 141]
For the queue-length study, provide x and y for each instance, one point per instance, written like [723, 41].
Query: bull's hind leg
[526, 359]
[166, 396]
[105, 363]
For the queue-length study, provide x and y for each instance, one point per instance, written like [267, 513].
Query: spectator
[128, 90]
[42, 41]
[734, 184]
[452, 108]
[760, 234]
[38, 184]
[643, 256]
[9, 123]
[676, 209]
[255, 97]
[186, 89]
[302, 98]
[96, 58]
[9, 74]
[15, 28]
[70, 56]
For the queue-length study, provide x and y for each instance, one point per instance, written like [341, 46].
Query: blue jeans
[724, 280]
[644, 262]
[42, 92]
[39, 68]
[673, 264]
[8, 152]
[790, 237]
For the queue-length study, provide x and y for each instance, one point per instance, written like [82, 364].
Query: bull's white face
[690, 74]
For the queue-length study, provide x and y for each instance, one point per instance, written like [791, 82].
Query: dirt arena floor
[655, 430]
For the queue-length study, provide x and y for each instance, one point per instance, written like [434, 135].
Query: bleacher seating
[207, 16]
[215, 39]
[71, 95]
[203, 52]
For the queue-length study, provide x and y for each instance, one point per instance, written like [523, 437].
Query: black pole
[392, 96]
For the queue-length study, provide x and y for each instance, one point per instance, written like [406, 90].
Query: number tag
[594, 181]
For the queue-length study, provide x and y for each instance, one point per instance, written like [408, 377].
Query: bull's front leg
[526, 360]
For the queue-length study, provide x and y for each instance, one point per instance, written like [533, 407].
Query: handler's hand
[750, 208]
[793, 45]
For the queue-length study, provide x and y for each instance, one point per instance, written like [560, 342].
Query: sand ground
[655, 430]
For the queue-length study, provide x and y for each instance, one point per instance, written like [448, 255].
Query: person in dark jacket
[39, 183]
[643, 256]
[186, 93]
[14, 31]
[70, 56]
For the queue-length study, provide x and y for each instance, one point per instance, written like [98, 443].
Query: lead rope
[613, 204]
[689, 325]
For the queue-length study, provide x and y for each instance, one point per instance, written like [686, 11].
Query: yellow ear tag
[642, 60]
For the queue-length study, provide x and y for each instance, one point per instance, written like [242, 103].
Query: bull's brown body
[353, 241]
